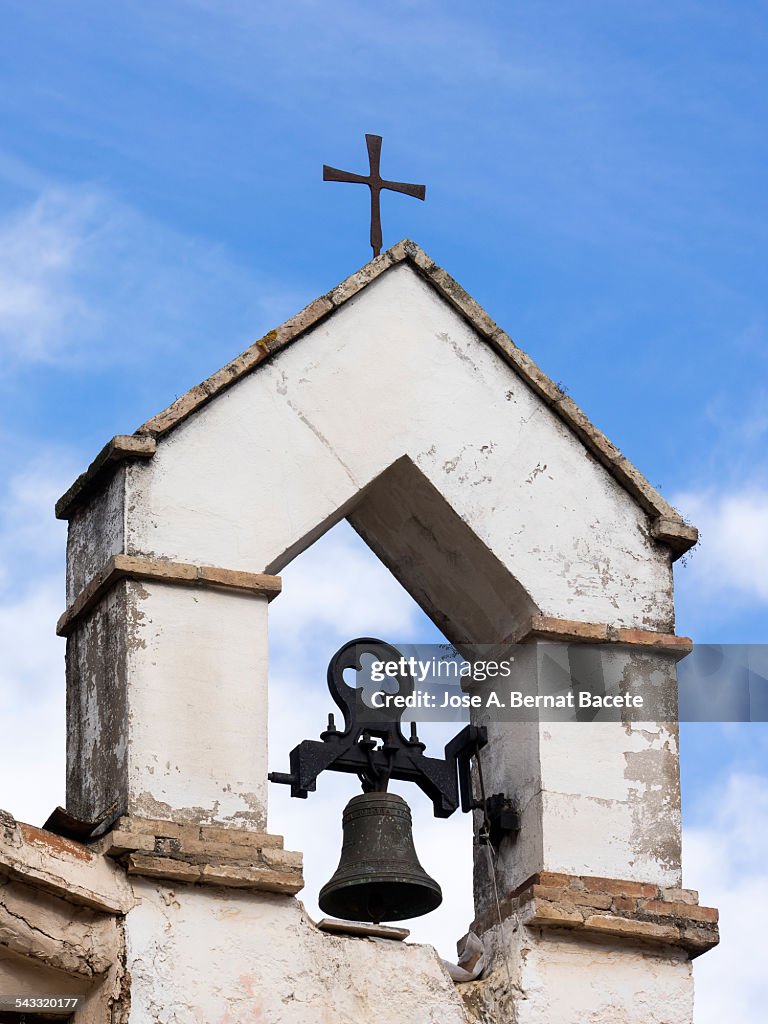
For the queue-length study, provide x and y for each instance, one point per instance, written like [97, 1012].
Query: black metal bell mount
[379, 877]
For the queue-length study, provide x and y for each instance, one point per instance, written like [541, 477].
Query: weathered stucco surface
[487, 504]
[275, 459]
[62, 925]
[97, 708]
[121, 924]
[469, 487]
[265, 961]
[96, 532]
[198, 706]
[168, 705]
[153, 951]
[558, 979]
[594, 797]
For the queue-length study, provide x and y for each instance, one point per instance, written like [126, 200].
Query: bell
[379, 877]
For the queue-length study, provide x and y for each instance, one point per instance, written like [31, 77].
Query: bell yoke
[379, 877]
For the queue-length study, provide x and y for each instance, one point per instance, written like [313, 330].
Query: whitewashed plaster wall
[595, 797]
[197, 753]
[558, 978]
[255, 475]
[168, 706]
[263, 961]
[393, 388]
[635, 985]
[394, 378]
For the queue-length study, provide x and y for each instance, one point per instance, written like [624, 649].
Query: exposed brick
[253, 582]
[238, 836]
[661, 641]
[357, 281]
[680, 895]
[625, 904]
[118, 449]
[253, 877]
[570, 894]
[120, 567]
[242, 875]
[121, 841]
[304, 319]
[632, 928]
[698, 939]
[464, 302]
[133, 824]
[564, 894]
[622, 888]
[674, 532]
[282, 858]
[162, 867]
[53, 843]
[415, 254]
[554, 893]
[545, 913]
[598, 900]
[247, 361]
[555, 878]
[662, 908]
[363, 930]
[566, 629]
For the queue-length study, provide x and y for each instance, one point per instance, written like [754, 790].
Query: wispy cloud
[31, 539]
[731, 561]
[336, 590]
[726, 860]
[32, 690]
[85, 279]
[42, 248]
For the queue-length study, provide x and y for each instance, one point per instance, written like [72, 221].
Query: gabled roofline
[668, 526]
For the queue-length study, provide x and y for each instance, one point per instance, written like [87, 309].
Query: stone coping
[362, 929]
[594, 907]
[544, 627]
[204, 855]
[82, 944]
[61, 867]
[667, 525]
[137, 567]
[119, 449]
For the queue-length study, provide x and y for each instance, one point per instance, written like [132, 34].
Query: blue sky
[595, 178]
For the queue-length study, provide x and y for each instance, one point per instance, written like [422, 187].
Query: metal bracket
[373, 747]
[501, 817]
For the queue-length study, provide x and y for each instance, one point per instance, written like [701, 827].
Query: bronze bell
[379, 877]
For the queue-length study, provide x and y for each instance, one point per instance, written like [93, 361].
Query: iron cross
[375, 183]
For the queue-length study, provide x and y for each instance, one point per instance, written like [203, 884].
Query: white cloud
[32, 708]
[338, 589]
[41, 247]
[732, 556]
[31, 539]
[32, 686]
[32, 660]
[726, 859]
[324, 45]
[84, 276]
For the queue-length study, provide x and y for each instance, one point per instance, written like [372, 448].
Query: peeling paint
[166, 688]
